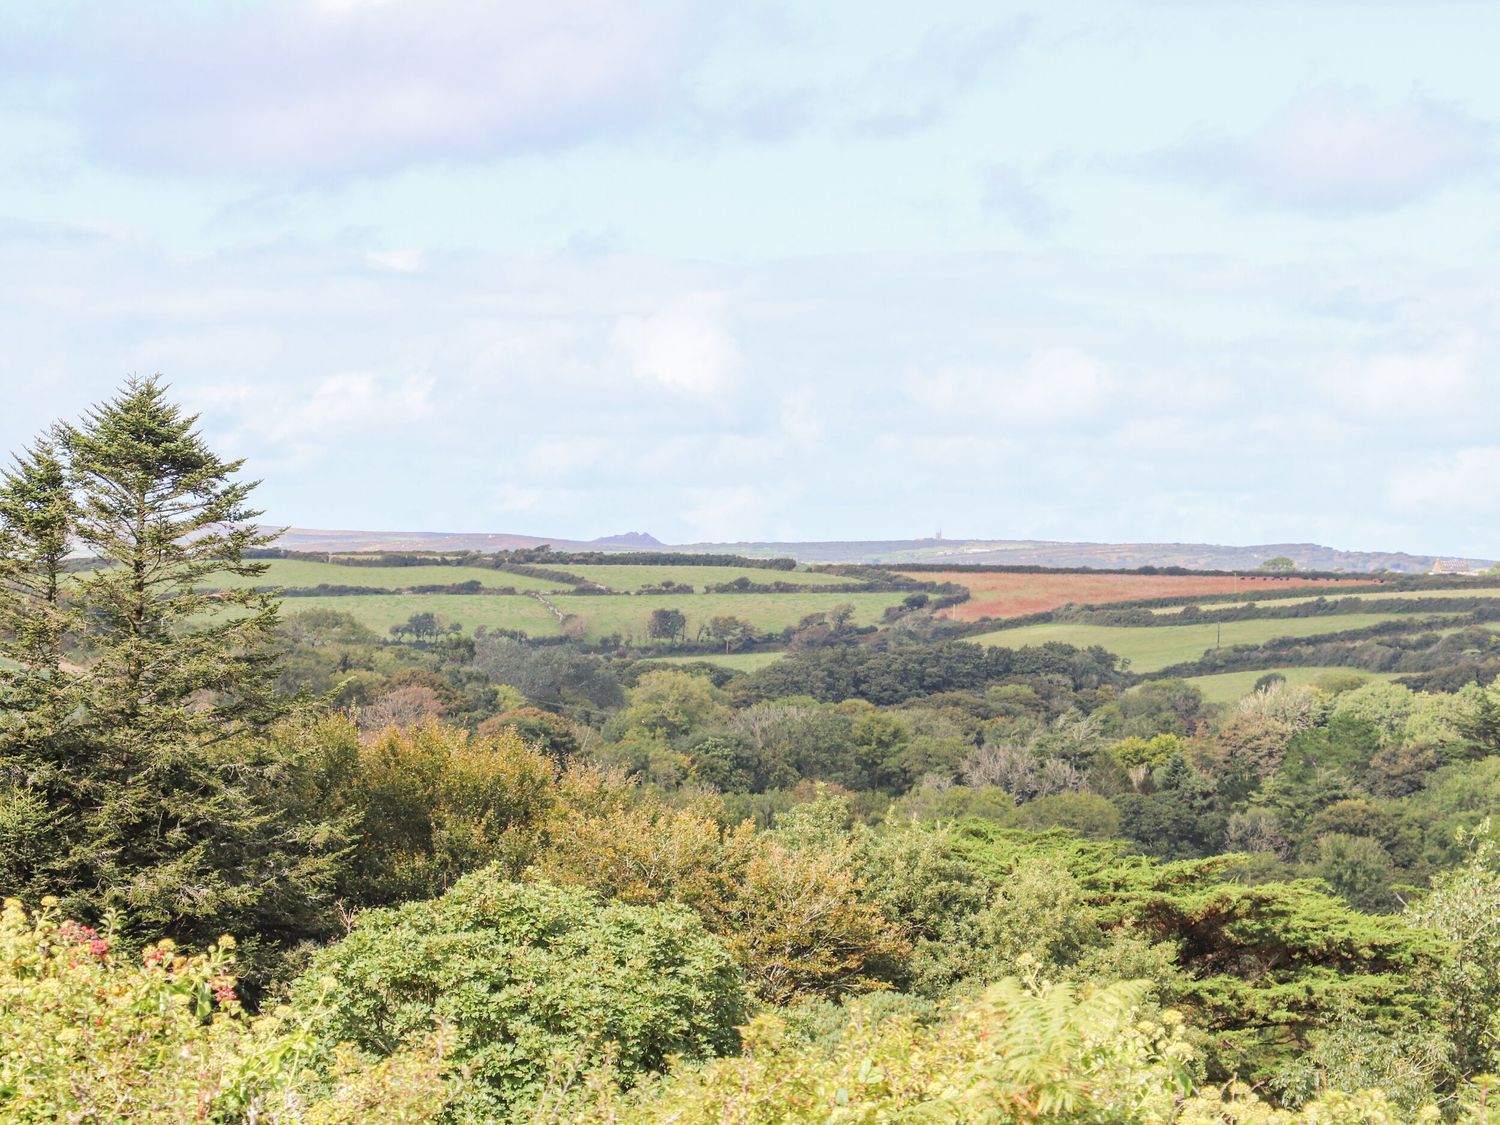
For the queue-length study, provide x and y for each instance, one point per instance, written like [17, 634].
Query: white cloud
[1459, 482]
[297, 423]
[1394, 383]
[1334, 150]
[408, 260]
[685, 346]
[1006, 191]
[514, 498]
[801, 422]
[1054, 384]
[312, 88]
[917, 88]
[352, 402]
[1042, 385]
[722, 514]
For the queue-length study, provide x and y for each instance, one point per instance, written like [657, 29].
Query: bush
[795, 917]
[94, 1035]
[1022, 1053]
[531, 979]
[430, 803]
[1014, 1054]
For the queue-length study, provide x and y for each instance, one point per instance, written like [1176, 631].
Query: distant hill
[953, 552]
[1108, 556]
[630, 541]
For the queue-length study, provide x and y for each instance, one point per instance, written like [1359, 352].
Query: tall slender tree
[36, 513]
[162, 513]
[173, 807]
[36, 521]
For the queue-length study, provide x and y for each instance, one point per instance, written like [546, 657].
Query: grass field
[300, 572]
[1153, 647]
[625, 578]
[493, 611]
[1003, 594]
[629, 576]
[601, 614]
[1376, 597]
[735, 661]
[627, 615]
[1227, 687]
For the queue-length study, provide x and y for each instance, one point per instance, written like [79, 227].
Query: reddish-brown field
[1007, 594]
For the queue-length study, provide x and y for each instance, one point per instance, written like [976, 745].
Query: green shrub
[428, 804]
[1014, 1054]
[93, 1035]
[1023, 1053]
[791, 909]
[532, 980]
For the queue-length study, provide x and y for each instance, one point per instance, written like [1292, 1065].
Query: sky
[1124, 270]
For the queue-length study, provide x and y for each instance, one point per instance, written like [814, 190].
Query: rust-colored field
[1006, 594]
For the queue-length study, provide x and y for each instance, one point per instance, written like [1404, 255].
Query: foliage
[36, 520]
[798, 923]
[1464, 909]
[94, 1034]
[1041, 1054]
[427, 804]
[161, 800]
[551, 734]
[530, 978]
[1261, 966]
[670, 703]
[1147, 753]
[791, 909]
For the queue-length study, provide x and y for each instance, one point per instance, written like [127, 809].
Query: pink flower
[71, 931]
[223, 988]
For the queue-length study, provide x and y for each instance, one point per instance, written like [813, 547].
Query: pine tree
[36, 514]
[161, 513]
[173, 804]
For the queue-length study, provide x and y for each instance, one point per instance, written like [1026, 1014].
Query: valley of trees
[270, 865]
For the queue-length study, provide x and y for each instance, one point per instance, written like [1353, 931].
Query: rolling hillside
[950, 552]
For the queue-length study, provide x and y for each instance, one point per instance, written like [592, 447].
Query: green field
[493, 611]
[627, 615]
[626, 578]
[735, 661]
[301, 572]
[1150, 648]
[630, 576]
[1377, 597]
[1227, 687]
[600, 614]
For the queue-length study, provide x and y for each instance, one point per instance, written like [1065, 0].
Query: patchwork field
[625, 578]
[493, 611]
[1152, 648]
[1003, 594]
[1377, 597]
[629, 576]
[627, 615]
[598, 614]
[1228, 687]
[735, 661]
[302, 572]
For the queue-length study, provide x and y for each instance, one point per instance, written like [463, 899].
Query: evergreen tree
[173, 807]
[35, 522]
[36, 513]
[161, 513]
